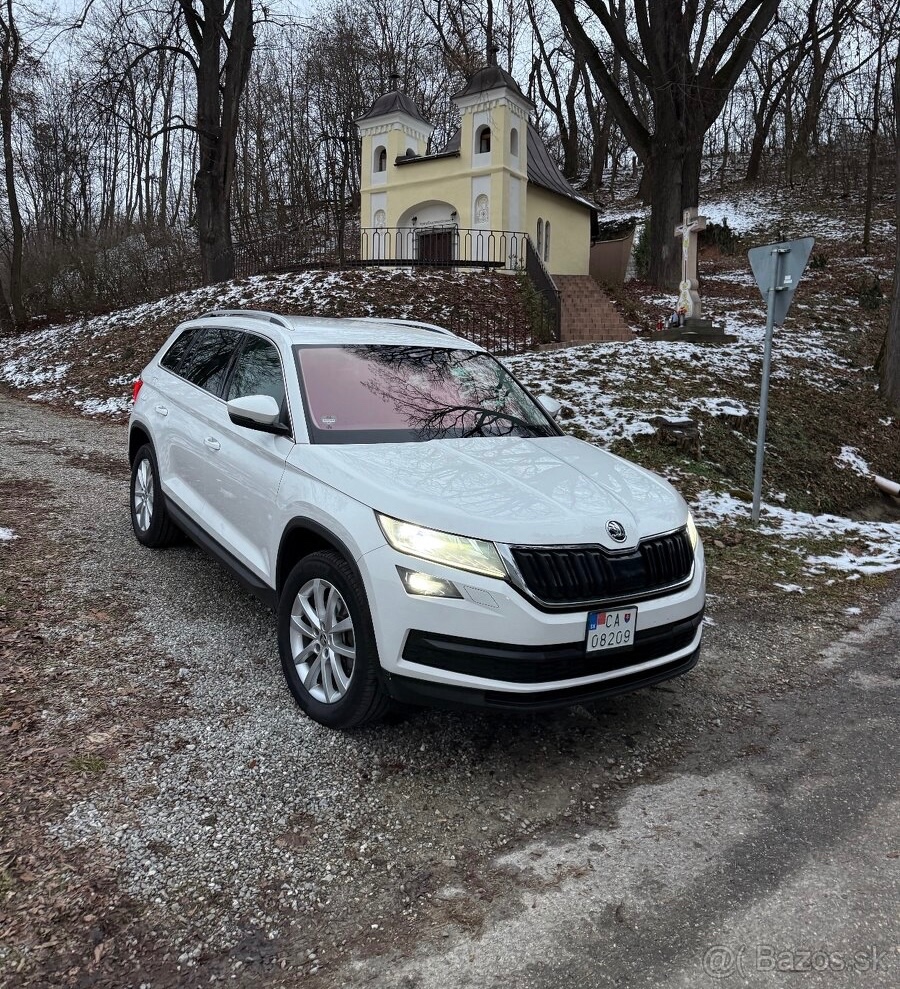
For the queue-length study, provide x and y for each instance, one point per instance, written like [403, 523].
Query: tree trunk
[645, 186]
[10, 60]
[691, 166]
[890, 365]
[219, 91]
[873, 153]
[665, 214]
[571, 164]
[760, 137]
[723, 167]
[755, 158]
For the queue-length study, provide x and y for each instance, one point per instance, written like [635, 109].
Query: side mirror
[256, 412]
[549, 404]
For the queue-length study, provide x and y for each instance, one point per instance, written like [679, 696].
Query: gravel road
[171, 819]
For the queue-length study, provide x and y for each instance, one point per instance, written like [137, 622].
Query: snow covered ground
[594, 377]
[859, 547]
[764, 209]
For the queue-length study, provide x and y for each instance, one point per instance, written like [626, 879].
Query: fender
[321, 535]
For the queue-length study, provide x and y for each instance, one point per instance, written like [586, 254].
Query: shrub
[541, 320]
[642, 251]
[113, 270]
[719, 235]
[867, 290]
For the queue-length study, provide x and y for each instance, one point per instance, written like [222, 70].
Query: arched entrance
[430, 233]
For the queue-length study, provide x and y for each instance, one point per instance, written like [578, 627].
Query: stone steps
[587, 313]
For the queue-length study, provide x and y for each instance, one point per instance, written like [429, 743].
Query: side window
[175, 354]
[257, 371]
[207, 361]
[547, 241]
[540, 238]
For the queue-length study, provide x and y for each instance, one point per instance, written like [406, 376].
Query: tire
[333, 674]
[150, 519]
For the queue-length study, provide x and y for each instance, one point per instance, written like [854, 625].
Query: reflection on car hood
[541, 491]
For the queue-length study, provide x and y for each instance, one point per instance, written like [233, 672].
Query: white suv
[424, 530]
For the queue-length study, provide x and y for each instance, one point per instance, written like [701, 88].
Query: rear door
[195, 415]
[250, 463]
[164, 410]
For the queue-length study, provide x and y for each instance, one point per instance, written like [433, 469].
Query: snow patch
[104, 406]
[874, 546]
[7, 535]
[849, 457]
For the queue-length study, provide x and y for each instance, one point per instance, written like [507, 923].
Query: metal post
[774, 287]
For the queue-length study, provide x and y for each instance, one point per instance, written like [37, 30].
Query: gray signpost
[778, 269]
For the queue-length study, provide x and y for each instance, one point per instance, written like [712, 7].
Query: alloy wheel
[143, 495]
[323, 641]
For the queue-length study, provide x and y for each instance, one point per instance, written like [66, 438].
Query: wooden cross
[688, 295]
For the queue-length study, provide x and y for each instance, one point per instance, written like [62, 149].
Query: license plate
[611, 629]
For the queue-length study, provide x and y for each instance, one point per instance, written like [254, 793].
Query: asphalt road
[772, 860]
[738, 827]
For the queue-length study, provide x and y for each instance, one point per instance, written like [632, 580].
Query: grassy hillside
[90, 363]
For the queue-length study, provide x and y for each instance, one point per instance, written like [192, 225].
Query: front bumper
[494, 645]
[409, 690]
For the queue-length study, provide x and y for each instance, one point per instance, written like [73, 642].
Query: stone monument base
[696, 331]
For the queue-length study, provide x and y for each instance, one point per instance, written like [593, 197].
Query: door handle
[162, 410]
[212, 443]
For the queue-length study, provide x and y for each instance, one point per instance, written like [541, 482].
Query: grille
[575, 574]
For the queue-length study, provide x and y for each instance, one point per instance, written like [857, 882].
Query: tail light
[137, 389]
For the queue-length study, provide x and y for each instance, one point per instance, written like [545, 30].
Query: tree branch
[635, 132]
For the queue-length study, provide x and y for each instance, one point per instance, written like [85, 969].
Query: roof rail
[249, 314]
[418, 324]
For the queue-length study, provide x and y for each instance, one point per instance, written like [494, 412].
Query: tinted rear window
[207, 360]
[175, 354]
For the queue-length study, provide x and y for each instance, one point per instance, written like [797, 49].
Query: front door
[250, 462]
[436, 247]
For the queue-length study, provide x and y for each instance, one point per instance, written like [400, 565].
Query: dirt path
[168, 817]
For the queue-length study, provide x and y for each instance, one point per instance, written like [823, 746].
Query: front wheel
[327, 644]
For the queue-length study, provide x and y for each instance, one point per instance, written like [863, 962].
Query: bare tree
[774, 66]
[890, 358]
[217, 28]
[881, 27]
[826, 24]
[688, 57]
[12, 309]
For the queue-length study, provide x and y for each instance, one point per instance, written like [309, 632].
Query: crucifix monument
[695, 326]
[688, 296]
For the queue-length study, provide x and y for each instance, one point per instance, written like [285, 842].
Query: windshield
[387, 394]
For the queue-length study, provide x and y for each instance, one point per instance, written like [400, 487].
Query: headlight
[692, 531]
[461, 552]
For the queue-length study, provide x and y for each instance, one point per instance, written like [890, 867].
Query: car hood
[539, 491]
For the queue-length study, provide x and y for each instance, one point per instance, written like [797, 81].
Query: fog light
[427, 585]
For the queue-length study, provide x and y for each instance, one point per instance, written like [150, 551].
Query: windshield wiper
[487, 417]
